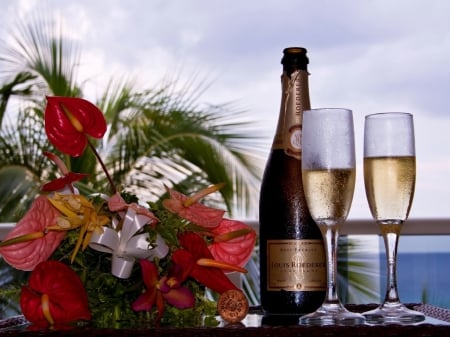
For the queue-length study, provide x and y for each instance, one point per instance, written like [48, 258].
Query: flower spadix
[77, 212]
[189, 208]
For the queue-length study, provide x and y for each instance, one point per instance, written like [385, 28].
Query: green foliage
[23, 182]
[203, 314]
[11, 281]
[110, 297]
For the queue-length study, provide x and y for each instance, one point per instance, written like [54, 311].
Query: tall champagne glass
[328, 172]
[389, 178]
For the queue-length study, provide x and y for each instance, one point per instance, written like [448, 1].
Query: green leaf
[16, 183]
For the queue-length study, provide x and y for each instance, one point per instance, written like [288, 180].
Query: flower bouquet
[107, 259]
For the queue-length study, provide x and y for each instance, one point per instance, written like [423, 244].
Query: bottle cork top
[294, 58]
[294, 50]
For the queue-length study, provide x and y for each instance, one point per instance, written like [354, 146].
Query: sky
[369, 56]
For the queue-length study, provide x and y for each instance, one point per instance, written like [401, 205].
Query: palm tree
[155, 136]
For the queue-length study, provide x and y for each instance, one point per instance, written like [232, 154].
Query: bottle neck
[294, 100]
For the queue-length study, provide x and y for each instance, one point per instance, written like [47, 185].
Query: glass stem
[330, 235]
[391, 243]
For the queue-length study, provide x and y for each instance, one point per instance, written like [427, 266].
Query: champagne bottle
[292, 258]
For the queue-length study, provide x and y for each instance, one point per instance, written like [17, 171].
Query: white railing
[419, 227]
[250, 281]
[425, 226]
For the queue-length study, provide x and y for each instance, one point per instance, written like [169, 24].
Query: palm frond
[23, 143]
[17, 191]
[173, 142]
[39, 48]
[23, 167]
[118, 99]
[358, 270]
[17, 87]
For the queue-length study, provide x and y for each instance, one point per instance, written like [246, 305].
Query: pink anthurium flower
[204, 268]
[29, 242]
[116, 203]
[168, 288]
[69, 121]
[66, 180]
[233, 242]
[190, 209]
[54, 295]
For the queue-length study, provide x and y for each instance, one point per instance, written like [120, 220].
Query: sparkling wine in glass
[328, 172]
[389, 178]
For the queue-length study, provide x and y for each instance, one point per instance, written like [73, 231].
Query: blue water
[421, 278]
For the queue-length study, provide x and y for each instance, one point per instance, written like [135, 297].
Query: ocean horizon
[421, 277]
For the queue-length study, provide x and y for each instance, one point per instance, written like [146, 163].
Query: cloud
[369, 56]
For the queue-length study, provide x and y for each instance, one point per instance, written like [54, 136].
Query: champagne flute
[328, 172]
[389, 178]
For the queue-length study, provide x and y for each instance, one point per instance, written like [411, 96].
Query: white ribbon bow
[125, 246]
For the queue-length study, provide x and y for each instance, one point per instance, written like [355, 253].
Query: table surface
[437, 323]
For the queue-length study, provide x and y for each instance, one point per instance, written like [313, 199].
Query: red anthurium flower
[68, 122]
[60, 183]
[28, 243]
[54, 295]
[66, 181]
[189, 208]
[167, 288]
[233, 242]
[204, 268]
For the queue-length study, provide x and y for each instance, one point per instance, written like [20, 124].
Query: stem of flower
[111, 183]
[116, 315]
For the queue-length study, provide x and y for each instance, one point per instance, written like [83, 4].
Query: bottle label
[296, 265]
[295, 99]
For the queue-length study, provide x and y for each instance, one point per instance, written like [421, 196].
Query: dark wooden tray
[436, 324]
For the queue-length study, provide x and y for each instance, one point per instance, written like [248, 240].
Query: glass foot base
[393, 314]
[332, 314]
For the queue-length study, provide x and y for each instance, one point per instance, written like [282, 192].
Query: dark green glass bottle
[292, 258]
